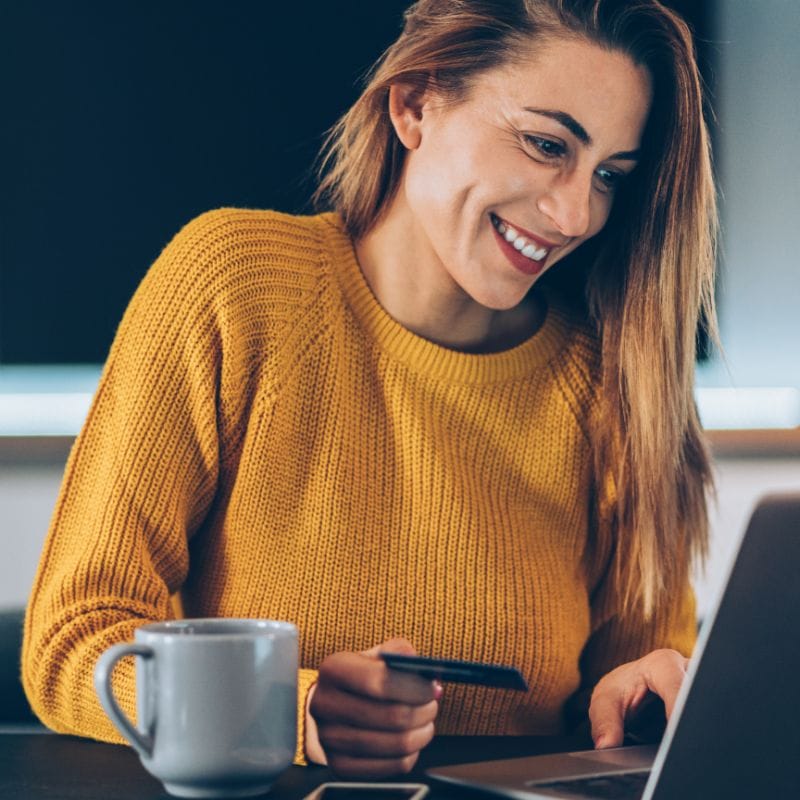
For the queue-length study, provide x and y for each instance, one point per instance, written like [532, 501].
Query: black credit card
[454, 671]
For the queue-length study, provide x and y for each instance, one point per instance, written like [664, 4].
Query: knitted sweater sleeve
[139, 480]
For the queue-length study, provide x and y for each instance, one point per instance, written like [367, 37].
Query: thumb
[398, 645]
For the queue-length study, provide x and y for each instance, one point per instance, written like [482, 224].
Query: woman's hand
[620, 694]
[366, 720]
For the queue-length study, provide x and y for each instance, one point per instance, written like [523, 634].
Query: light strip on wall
[43, 414]
[748, 408]
[63, 413]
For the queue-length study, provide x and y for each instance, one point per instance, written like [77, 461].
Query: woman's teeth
[519, 242]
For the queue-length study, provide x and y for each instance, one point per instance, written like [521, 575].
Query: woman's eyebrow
[580, 133]
[567, 120]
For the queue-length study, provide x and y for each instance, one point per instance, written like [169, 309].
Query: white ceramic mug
[216, 703]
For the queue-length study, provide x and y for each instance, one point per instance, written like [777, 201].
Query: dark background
[123, 120]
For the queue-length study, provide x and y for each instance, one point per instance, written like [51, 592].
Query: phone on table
[369, 791]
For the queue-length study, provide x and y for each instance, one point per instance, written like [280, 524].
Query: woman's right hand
[367, 721]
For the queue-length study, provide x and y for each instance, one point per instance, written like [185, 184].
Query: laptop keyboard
[624, 786]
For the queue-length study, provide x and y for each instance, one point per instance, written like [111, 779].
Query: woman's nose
[566, 203]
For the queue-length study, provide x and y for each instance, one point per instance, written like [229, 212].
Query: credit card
[455, 671]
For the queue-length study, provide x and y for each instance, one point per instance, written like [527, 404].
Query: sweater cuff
[306, 678]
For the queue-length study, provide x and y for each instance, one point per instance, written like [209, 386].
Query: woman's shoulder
[243, 276]
[225, 237]
[240, 256]
[253, 221]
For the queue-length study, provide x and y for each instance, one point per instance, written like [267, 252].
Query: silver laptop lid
[735, 732]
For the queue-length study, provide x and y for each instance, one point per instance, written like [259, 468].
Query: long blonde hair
[647, 277]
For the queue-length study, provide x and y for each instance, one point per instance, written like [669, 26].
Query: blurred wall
[758, 104]
[27, 497]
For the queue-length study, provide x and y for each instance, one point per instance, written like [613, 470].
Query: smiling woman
[452, 412]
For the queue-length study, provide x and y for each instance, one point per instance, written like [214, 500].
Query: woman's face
[505, 183]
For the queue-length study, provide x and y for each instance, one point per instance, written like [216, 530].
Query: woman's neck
[420, 294]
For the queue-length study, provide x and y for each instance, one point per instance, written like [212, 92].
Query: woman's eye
[547, 147]
[610, 179]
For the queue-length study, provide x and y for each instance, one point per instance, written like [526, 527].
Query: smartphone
[368, 791]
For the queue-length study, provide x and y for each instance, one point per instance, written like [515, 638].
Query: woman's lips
[527, 252]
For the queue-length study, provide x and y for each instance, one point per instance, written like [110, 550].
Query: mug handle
[141, 742]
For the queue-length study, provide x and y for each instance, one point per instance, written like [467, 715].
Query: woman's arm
[139, 481]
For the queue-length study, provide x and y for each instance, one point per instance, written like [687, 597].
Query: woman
[454, 414]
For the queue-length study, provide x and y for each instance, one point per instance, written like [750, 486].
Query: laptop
[735, 729]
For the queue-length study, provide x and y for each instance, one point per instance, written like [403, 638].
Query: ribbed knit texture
[266, 440]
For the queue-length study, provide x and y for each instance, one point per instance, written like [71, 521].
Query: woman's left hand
[620, 693]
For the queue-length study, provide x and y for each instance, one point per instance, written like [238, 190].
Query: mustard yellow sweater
[267, 442]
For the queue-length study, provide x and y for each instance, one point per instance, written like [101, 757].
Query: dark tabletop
[36, 766]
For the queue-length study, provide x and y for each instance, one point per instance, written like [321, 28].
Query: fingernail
[438, 690]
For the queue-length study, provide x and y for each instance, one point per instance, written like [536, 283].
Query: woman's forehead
[601, 87]
[572, 64]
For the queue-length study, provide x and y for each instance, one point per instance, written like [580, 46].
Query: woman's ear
[406, 108]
